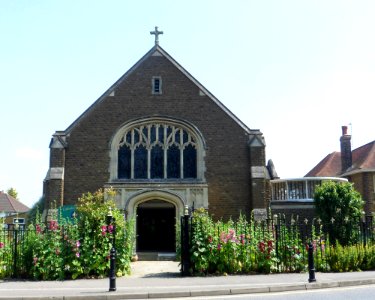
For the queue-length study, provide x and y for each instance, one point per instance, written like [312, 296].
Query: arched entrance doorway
[156, 226]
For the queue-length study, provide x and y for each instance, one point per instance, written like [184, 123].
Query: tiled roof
[330, 166]
[10, 205]
[363, 159]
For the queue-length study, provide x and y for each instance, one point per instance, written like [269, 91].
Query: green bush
[5, 252]
[340, 207]
[246, 247]
[96, 236]
[232, 247]
[80, 248]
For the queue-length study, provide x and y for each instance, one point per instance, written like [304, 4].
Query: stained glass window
[140, 162]
[157, 151]
[173, 162]
[124, 167]
[190, 162]
[157, 162]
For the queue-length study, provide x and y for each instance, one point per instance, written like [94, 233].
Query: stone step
[156, 256]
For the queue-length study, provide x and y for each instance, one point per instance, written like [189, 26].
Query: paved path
[162, 280]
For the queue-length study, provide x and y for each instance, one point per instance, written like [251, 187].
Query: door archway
[151, 204]
[156, 226]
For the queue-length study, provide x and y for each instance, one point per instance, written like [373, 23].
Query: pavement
[162, 279]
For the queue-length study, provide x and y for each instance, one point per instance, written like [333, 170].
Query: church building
[163, 142]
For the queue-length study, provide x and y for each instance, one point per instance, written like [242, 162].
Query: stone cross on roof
[156, 32]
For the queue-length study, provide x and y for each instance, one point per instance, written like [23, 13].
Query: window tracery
[157, 151]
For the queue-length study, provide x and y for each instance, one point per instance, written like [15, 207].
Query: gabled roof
[10, 205]
[363, 160]
[158, 51]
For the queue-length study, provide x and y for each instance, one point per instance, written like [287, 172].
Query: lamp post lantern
[111, 229]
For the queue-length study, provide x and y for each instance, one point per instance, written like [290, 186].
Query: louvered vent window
[156, 85]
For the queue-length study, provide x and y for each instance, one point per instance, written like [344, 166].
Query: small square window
[156, 85]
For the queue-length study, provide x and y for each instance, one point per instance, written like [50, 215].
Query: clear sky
[296, 70]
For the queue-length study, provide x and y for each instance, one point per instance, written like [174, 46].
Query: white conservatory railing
[298, 189]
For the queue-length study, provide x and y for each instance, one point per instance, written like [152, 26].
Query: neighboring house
[163, 142]
[11, 209]
[357, 165]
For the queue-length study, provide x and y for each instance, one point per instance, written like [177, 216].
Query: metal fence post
[364, 233]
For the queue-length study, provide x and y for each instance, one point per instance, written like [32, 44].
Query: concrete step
[156, 256]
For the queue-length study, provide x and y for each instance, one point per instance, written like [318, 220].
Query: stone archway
[156, 213]
[156, 230]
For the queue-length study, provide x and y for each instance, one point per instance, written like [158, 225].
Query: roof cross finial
[156, 32]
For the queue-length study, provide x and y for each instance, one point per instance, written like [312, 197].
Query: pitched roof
[330, 166]
[159, 51]
[363, 159]
[10, 205]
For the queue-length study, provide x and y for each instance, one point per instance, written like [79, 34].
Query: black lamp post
[111, 229]
[185, 243]
[311, 263]
[15, 233]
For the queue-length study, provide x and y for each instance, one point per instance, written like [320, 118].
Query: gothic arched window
[157, 150]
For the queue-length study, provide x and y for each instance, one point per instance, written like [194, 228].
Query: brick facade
[364, 184]
[85, 152]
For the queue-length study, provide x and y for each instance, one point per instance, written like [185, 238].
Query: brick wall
[291, 209]
[364, 184]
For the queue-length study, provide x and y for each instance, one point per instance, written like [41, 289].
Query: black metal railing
[289, 239]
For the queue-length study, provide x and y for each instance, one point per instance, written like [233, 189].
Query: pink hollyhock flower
[78, 244]
[52, 225]
[110, 228]
[223, 238]
[314, 245]
[38, 228]
[2, 245]
[104, 229]
[219, 247]
[77, 254]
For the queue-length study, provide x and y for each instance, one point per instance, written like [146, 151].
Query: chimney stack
[346, 149]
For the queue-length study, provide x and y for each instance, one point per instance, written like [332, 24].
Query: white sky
[296, 70]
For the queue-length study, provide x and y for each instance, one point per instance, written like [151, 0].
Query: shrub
[78, 248]
[340, 208]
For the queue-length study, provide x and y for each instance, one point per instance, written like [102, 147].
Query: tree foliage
[340, 207]
[38, 207]
[12, 192]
